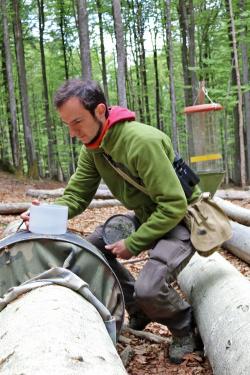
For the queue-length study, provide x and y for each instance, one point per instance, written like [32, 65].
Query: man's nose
[72, 132]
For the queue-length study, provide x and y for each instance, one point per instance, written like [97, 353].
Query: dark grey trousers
[152, 292]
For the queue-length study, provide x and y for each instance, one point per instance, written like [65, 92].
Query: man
[146, 154]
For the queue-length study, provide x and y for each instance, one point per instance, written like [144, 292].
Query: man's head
[82, 107]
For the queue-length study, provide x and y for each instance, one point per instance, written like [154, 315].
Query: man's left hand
[119, 249]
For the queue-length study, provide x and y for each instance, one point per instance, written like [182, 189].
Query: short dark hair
[89, 93]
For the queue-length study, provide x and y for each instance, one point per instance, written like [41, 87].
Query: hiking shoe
[181, 346]
[138, 321]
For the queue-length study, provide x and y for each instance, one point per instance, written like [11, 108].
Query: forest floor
[148, 358]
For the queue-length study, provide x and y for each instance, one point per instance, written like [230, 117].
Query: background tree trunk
[84, 39]
[240, 113]
[52, 164]
[14, 137]
[170, 55]
[121, 53]
[29, 146]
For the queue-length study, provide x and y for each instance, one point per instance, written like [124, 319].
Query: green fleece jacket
[148, 155]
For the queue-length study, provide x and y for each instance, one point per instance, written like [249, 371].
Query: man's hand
[119, 249]
[25, 215]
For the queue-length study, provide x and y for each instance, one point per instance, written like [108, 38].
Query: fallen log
[233, 194]
[18, 208]
[102, 193]
[234, 212]
[220, 296]
[69, 337]
[239, 243]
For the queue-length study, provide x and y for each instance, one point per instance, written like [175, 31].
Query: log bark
[220, 296]
[54, 330]
[18, 208]
[233, 194]
[234, 212]
[239, 243]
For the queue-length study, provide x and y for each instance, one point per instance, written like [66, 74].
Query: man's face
[80, 121]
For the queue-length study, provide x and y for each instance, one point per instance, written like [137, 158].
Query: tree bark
[171, 76]
[69, 337]
[84, 39]
[121, 53]
[239, 244]
[52, 165]
[29, 146]
[220, 297]
[14, 137]
[104, 70]
[234, 212]
[240, 103]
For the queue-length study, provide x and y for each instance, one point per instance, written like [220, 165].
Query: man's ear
[100, 111]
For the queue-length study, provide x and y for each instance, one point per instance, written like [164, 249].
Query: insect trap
[205, 142]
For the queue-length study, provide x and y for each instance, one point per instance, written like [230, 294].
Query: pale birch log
[101, 193]
[233, 194]
[220, 296]
[53, 330]
[18, 208]
[234, 212]
[239, 243]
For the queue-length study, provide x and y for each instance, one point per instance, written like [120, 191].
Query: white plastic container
[48, 219]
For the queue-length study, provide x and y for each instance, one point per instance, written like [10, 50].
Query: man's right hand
[25, 216]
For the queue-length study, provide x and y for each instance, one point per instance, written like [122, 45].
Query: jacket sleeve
[82, 185]
[155, 169]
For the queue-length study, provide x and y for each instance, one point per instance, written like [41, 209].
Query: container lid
[203, 108]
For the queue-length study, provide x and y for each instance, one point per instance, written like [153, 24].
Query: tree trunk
[170, 55]
[121, 53]
[234, 212]
[104, 70]
[84, 39]
[68, 338]
[237, 70]
[245, 79]
[239, 244]
[11, 90]
[29, 146]
[220, 296]
[52, 165]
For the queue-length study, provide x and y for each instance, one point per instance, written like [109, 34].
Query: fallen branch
[234, 212]
[220, 297]
[148, 336]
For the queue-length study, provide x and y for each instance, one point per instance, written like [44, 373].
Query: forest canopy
[151, 56]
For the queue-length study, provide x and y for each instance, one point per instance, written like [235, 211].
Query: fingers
[36, 202]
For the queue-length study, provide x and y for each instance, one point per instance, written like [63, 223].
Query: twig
[126, 355]
[148, 336]
[137, 260]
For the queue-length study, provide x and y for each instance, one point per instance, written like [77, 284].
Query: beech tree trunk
[53, 330]
[121, 53]
[29, 146]
[14, 137]
[234, 212]
[84, 39]
[239, 243]
[220, 296]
